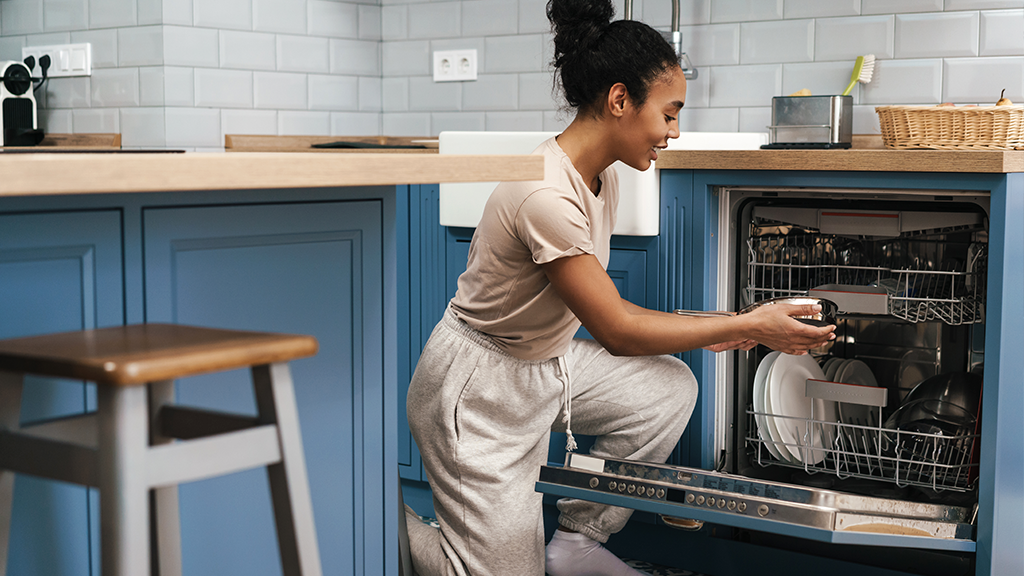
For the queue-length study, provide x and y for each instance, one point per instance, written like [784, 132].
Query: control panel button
[661, 493]
[732, 504]
[700, 500]
[711, 501]
[762, 510]
[622, 487]
[612, 485]
[721, 502]
[650, 492]
[690, 498]
[631, 488]
[742, 506]
[594, 482]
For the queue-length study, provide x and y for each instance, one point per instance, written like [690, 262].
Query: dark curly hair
[592, 53]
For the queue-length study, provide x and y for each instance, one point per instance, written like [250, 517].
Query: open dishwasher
[872, 440]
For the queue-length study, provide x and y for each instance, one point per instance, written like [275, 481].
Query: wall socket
[65, 59]
[454, 65]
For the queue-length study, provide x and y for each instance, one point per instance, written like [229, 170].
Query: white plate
[787, 399]
[831, 367]
[760, 383]
[915, 367]
[857, 372]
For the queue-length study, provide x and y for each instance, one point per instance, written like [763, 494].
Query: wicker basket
[952, 127]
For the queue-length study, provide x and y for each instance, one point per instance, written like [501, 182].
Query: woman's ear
[618, 99]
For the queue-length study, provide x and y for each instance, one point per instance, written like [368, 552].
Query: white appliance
[462, 204]
[18, 115]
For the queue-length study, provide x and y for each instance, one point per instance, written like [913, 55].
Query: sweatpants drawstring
[563, 368]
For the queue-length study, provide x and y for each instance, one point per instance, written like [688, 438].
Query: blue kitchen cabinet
[309, 268]
[59, 271]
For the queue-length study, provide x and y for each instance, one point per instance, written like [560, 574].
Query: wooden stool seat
[139, 442]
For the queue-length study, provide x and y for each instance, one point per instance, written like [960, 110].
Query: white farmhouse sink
[462, 204]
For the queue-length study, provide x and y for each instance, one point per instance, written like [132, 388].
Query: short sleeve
[552, 224]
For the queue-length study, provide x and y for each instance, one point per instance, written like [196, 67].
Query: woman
[502, 369]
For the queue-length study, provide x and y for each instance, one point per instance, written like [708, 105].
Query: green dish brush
[862, 72]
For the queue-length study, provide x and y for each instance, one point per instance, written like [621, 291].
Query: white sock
[573, 554]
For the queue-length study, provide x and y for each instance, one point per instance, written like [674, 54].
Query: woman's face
[648, 128]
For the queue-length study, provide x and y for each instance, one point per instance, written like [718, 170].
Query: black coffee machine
[18, 114]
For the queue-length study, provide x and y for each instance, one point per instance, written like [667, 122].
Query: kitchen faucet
[677, 38]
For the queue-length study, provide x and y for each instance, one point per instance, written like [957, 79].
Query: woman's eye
[669, 118]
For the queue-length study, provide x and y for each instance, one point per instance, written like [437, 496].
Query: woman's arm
[628, 330]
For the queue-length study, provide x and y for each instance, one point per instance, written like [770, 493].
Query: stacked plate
[852, 371]
[793, 427]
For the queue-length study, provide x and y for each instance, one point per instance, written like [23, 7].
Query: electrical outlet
[454, 65]
[65, 59]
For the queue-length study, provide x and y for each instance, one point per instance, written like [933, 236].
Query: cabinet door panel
[58, 272]
[299, 268]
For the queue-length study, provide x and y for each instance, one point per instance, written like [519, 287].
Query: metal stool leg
[289, 486]
[10, 415]
[166, 517]
[124, 495]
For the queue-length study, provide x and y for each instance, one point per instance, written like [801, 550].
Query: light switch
[65, 59]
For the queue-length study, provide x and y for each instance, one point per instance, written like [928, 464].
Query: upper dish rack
[915, 280]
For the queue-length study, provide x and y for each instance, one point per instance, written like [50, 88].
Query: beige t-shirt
[504, 292]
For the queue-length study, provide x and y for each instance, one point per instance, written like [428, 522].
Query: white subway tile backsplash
[370, 94]
[65, 15]
[818, 77]
[491, 92]
[949, 34]
[847, 38]
[714, 45]
[141, 46]
[818, 9]
[233, 14]
[71, 92]
[114, 87]
[247, 50]
[108, 13]
[55, 121]
[899, 7]
[369, 22]
[709, 120]
[333, 92]
[191, 46]
[193, 127]
[394, 95]
[556, 121]
[303, 123]
[21, 17]
[744, 85]
[1002, 33]
[514, 54]
[142, 127]
[10, 47]
[104, 46]
[865, 120]
[532, 17]
[904, 82]
[981, 4]
[47, 38]
[404, 124]
[536, 91]
[698, 93]
[96, 121]
[435, 20]
[489, 18]
[779, 41]
[278, 16]
[394, 22]
[399, 58]
[220, 88]
[355, 123]
[428, 95]
[261, 122]
[466, 121]
[303, 54]
[332, 19]
[515, 121]
[745, 10]
[179, 86]
[177, 12]
[980, 80]
[281, 90]
[360, 57]
[151, 86]
[150, 12]
[755, 119]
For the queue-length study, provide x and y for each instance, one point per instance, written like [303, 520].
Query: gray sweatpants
[482, 420]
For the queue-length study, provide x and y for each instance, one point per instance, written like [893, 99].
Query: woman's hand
[775, 327]
[735, 345]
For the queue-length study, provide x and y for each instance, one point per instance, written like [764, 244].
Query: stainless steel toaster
[811, 122]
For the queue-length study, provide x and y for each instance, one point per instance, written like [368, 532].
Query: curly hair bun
[577, 24]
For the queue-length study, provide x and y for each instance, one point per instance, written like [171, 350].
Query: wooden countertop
[68, 173]
[855, 160]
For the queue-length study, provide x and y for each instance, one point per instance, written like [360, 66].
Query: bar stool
[139, 441]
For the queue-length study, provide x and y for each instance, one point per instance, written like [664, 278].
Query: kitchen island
[299, 243]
